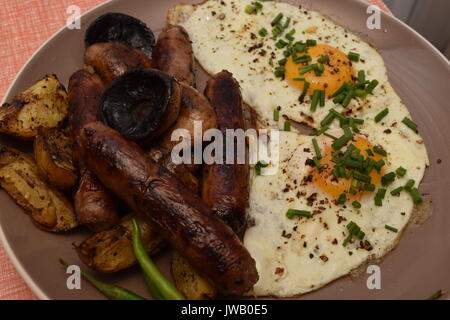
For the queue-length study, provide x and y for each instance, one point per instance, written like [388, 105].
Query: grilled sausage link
[179, 214]
[112, 59]
[94, 205]
[173, 54]
[225, 186]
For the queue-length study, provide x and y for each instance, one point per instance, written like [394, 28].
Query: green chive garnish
[391, 228]
[396, 191]
[328, 119]
[330, 136]
[322, 98]
[291, 213]
[356, 204]
[316, 148]
[321, 131]
[323, 59]
[410, 124]
[409, 184]
[281, 44]
[362, 177]
[287, 125]
[401, 171]
[340, 142]
[311, 42]
[276, 114]
[302, 59]
[353, 56]
[350, 95]
[315, 100]
[380, 151]
[317, 163]
[381, 115]
[388, 178]
[250, 9]
[342, 198]
[259, 165]
[372, 85]
[369, 187]
[415, 194]
[282, 62]
[277, 19]
[263, 32]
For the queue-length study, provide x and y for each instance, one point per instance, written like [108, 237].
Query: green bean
[161, 283]
[112, 292]
[152, 289]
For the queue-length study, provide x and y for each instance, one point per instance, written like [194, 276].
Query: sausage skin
[225, 186]
[179, 214]
[173, 54]
[112, 59]
[94, 205]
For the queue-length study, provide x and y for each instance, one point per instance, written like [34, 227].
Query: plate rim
[37, 291]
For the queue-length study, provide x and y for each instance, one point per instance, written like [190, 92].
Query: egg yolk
[326, 181]
[337, 70]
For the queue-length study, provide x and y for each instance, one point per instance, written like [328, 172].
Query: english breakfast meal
[350, 158]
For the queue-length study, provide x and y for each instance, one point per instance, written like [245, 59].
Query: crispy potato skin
[112, 59]
[43, 105]
[53, 154]
[189, 281]
[48, 208]
[95, 206]
[111, 250]
[178, 213]
[225, 187]
[173, 54]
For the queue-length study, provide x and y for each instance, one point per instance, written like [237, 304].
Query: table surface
[26, 25]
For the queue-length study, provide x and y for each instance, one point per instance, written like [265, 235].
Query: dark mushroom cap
[139, 103]
[120, 27]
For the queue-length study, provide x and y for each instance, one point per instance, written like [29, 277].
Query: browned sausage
[112, 59]
[225, 186]
[94, 205]
[194, 107]
[173, 54]
[180, 215]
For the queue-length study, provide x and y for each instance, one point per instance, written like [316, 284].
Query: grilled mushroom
[119, 27]
[141, 104]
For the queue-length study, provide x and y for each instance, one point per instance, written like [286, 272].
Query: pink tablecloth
[25, 25]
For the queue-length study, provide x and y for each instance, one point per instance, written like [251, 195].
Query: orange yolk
[337, 71]
[327, 182]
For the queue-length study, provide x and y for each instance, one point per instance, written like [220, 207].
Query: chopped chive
[315, 100]
[291, 213]
[379, 197]
[259, 165]
[250, 9]
[323, 59]
[287, 125]
[276, 115]
[316, 148]
[391, 228]
[344, 87]
[300, 47]
[348, 133]
[401, 171]
[322, 98]
[302, 59]
[277, 19]
[311, 42]
[282, 62]
[396, 191]
[361, 76]
[317, 163]
[271, 62]
[281, 44]
[339, 98]
[346, 240]
[263, 32]
[258, 5]
[388, 178]
[328, 119]
[410, 124]
[338, 115]
[369, 153]
[286, 24]
[360, 93]
[304, 92]
[318, 69]
[409, 184]
[306, 69]
[350, 95]
[340, 142]
[280, 71]
[353, 56]
[356, 204]
[415, 194]
[342, 198]
[369, 187]
[381, 115]
[330, 136]
[372, 85]
[362, 177]
[321, 131]
[299, 79]
[380, 151]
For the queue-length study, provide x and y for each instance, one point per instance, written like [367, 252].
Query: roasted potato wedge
[53, 154]
[44, 105]
[189, 281]
[112, 250]
[49, 209]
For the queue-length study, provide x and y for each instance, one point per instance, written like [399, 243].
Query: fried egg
[304, 213]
